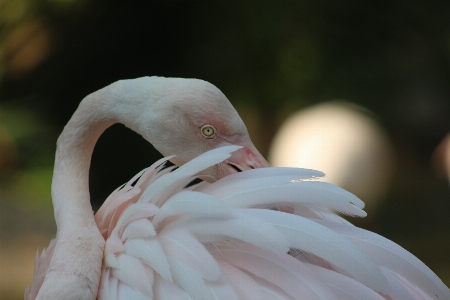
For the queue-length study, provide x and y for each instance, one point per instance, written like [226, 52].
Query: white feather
[166, 290]
[167, 185]
[189, 280]
[135, 212]
[311, 212]
[151, 252]
[310, 192]
[387, 253]
[141, 228]
[244, 285]
[343, 287]
[133, 274]
[314, 238]
[237, 225]
[180, 244]
[256, 178]
[113, 245]
[187, 202]
[221, 290]
[124, 291]
[273, 292]
[396, 289]
[107, 285]
[411, 288]
[282, 270]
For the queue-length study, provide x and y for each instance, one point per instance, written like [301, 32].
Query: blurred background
[385, 62]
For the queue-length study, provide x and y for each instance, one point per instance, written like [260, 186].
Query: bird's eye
[208, 131]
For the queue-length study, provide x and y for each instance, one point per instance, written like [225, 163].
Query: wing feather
[281, 270]
[312, 237]
[124, 291]
[221, 289]
[306, 192]
[189, 280]
[167, 185]
[151, 252]
[188, 202]
[133, 274]
[180, 244]
[166, 290]
[245, 287]
[238, 225]
[135, 212]
[386, 253]
[343, 287]
[256, 178]
[141, 228]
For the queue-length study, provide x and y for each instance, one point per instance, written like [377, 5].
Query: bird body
[264, 233]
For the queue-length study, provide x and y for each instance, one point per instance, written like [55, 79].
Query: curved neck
[78, 239]
[70, 186]
[97, 111]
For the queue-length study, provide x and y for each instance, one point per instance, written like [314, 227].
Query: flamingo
[248, 231]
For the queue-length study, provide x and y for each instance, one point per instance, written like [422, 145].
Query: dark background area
[269, 57]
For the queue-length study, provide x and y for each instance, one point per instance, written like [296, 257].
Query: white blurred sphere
[340, 140]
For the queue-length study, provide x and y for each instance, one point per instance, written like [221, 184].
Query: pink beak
[246, 158]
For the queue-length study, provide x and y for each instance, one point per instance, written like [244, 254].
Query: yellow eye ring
[208, 131]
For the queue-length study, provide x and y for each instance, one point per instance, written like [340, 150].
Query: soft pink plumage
[230, 240]
[266, 233]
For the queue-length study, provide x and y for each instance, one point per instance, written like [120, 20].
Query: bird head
[185, 118]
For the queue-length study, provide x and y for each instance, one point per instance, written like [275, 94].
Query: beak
[246, 158]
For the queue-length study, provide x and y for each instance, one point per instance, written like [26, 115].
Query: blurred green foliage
[27, 164]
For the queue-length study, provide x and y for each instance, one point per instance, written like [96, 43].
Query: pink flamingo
[266, 233]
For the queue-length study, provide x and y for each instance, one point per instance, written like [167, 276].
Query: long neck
[98, 111]
[70, 186]
[76, 262]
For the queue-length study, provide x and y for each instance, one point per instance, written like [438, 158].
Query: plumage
[189, 256]
[309, 236]
[265, 233]
[386, 253]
